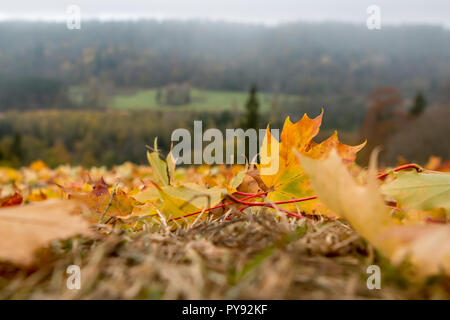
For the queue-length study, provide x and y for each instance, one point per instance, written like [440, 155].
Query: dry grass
[247, 257]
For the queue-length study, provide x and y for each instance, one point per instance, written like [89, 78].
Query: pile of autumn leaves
[403, 213]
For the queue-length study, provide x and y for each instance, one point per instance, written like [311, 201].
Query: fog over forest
[298, 67]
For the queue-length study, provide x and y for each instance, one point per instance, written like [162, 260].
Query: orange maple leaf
[290, 181]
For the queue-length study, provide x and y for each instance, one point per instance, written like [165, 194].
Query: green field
[201, 100]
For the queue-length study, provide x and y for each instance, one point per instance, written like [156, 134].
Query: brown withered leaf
[102, 202]
[25, 229]
[13, 200]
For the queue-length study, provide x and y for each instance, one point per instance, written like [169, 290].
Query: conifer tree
[419, 105]
[252, 107]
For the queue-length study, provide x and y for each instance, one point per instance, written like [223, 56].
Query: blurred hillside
[299, 58]
[200, 67]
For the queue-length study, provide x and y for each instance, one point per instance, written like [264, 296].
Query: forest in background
[58, 86]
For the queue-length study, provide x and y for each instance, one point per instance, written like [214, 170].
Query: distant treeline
[31, 93]
[91, 137]
[311, 59]
[111, 137]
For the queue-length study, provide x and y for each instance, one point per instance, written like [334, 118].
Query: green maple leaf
[420, 191]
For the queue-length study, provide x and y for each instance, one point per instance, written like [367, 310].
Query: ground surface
[247, 257]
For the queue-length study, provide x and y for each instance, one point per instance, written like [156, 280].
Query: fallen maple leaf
[173, 207]
[420, 190]
[160, 167]
[12, 200]
[102, 202]
[363, 206]
[426, 246]
[173, 199]
[181, 199]
[290, 181]
[25, 229]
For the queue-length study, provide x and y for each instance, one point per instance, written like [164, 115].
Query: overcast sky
[264, 11]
